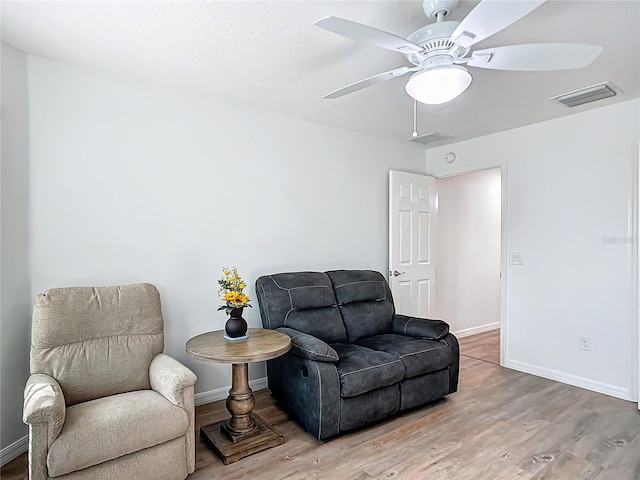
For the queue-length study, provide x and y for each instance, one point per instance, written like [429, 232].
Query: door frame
[502, 165]
[634, 222]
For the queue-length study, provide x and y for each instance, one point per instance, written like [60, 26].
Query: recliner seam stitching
[421, 351]
[98, 338]
[319, 400]
[296, 288]
[358, 283]
[369, 368]
[265, 298]
[311, 351]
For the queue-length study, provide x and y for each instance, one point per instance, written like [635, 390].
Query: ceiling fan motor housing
[438, 49]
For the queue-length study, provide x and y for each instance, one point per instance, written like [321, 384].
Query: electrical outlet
[584, 342]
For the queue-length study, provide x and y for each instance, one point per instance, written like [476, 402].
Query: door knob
[396, 273]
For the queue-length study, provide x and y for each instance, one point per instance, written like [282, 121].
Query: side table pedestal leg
[240, 404]
[245, 432]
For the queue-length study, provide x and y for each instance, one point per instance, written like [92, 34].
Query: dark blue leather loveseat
[353, 360]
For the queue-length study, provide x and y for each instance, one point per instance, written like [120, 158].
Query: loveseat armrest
[419, 327]
[171, 379]
[307, 346]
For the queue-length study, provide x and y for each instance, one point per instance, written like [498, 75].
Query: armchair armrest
[419, 327]
[170, 378]
[307, 346]
[176, 383]
[44, 405]
[44, 410]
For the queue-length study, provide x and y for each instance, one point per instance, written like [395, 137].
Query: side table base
[230, 452]
[241, 437]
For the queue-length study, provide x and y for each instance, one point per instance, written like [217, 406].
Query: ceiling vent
[588, 94]
[428, 138]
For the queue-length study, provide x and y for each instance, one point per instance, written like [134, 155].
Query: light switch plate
[516, 258]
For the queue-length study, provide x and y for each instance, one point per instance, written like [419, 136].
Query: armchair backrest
[364, 300]
[304, 301]
[97, 341]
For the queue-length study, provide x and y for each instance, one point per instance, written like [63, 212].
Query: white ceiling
[269, 55]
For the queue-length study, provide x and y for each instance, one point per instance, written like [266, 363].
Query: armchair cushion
[310, 347]
[92, 432]
[361, 370]
[419, 327]
[419, 356]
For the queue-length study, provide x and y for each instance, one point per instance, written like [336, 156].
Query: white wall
[570, 198]
[130, 185]
[468, 274]
[15, 295]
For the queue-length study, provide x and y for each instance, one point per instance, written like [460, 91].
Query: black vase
[236, 326]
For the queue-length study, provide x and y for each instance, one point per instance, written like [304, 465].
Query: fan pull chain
[415, 118]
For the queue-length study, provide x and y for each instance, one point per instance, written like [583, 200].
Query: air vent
[428, 138]
[588, 94]
[438, 44]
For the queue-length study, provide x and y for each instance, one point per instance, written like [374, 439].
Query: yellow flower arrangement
[231, 287]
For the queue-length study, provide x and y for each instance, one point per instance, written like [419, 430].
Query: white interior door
[413, 220]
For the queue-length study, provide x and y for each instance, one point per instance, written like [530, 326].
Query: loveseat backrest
[364, 300]
[304, 301]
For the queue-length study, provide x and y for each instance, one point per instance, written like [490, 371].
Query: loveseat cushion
[361, 369]
[306, 346]
[364, 300]
[90, 429]
[419, 356]
[304, 301]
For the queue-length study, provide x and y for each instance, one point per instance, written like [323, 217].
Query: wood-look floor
[483, 346]
[500, 425]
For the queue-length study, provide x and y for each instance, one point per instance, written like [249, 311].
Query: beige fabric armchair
[103, 401]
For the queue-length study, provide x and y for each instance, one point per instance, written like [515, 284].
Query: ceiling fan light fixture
[439, 84]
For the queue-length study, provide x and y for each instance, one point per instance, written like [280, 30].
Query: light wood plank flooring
[500, 425]
[483, 346]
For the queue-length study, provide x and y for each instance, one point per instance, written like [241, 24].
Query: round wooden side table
[245, 432]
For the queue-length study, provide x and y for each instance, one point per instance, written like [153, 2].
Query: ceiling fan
[441, 51]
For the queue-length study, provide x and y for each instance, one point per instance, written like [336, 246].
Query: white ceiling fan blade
[536, 57]
[367, 82]
[367, 34]
[489, 17]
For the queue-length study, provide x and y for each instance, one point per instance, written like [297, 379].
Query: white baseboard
[222, 393]
[14, 450]
[570, 379]
[466, 332]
